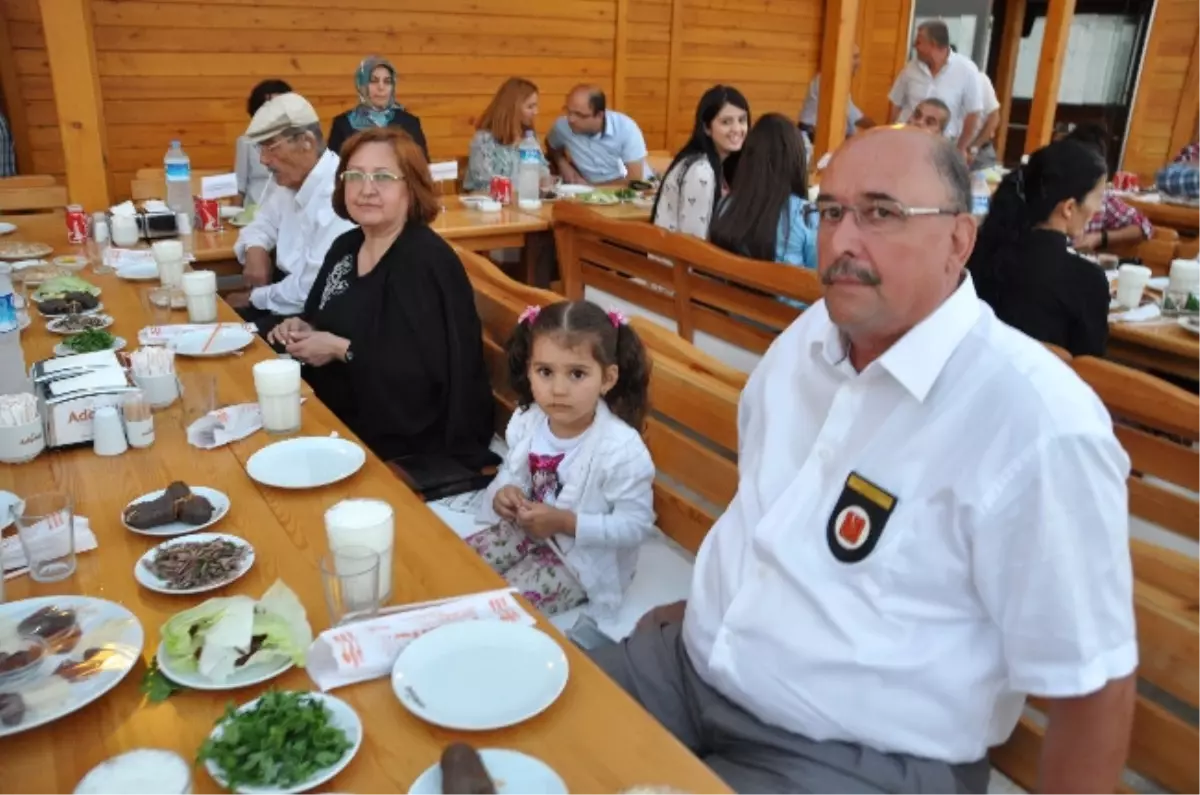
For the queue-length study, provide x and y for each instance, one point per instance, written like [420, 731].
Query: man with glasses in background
[592, 145]
[296, 221]
[931, 524]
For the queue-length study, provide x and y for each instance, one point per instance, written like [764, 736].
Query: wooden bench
[33, 199]
[685, 283]
[27, 181]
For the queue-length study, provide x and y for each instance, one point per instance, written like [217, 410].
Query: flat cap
[280, 113]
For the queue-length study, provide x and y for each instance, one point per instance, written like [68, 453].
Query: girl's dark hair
[574, 322]
[259, 94]
[1026, 197]
[773, 168]
[701, 143]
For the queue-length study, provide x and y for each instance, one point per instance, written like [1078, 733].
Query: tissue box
[70, 389]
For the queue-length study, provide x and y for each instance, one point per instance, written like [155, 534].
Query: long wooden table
[1179, 217]
[595, 736]
[1163, 346]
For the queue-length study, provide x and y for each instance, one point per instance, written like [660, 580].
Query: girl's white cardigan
[609, 489]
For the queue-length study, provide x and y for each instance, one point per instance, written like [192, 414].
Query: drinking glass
[46, 531]
[199, 396]
[351, 578]
[156, 301]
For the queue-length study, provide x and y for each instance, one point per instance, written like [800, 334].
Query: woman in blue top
[763, 216]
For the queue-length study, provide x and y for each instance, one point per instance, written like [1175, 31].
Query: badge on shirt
[858, 519]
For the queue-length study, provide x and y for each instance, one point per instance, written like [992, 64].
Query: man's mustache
[847, 267]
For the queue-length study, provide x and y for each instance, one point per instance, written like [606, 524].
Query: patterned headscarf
[366, 115]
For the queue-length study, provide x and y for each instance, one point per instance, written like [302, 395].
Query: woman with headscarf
[375, 82]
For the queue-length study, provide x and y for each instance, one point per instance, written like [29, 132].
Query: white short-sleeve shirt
[957, 84]
[987, 94]
[914, 548]
[602, 157]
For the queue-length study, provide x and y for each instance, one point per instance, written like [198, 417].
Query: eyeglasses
[574, 114]
[272, 145]
[381, 178]
[874, 214]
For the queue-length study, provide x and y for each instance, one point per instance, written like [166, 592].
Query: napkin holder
[67, 412]
[155, 226]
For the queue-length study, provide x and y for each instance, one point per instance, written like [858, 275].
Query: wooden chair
[1158, 424]
[706, 290]
[692, 429]
[33, 199]
[1189, 248]
[27, 181]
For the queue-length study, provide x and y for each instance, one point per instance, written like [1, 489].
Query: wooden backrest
[697, 285]
[39, 199]
[1158, 424]
[1189, 248]
[692, 428]
[27, 181]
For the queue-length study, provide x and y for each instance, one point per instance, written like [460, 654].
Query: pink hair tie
[529, 315]
[618, 318]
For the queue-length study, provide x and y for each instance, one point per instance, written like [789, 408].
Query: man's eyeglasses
[873, 214]
[271, 146]
[381, 178]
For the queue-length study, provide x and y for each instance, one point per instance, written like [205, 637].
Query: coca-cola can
[1125, 181]
[77, 224]
[502, 190]
[208, 215]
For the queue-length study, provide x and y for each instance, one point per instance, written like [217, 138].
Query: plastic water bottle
[981, 196]
[529, 172]
[178, 168]
[13, 376]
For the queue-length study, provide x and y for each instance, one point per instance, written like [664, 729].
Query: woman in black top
[375, 82]
[390, 338]
[1023, 265]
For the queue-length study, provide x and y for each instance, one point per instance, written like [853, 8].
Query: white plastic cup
[168, 255]
[1131, 283]
[21, 443]
[108, 432]
[277, 382]
[200, 291]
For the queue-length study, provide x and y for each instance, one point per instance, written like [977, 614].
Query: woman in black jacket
[390, 339]
[375, 82]
[1023, 265]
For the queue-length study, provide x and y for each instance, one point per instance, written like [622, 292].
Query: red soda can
[77, 224]
[208, 215]
[1125, 181]
[502, 190]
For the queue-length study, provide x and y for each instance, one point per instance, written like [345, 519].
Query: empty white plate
[141, 272]
[219, 502]
[242, 677]
[480, 675]
[342, 715]
[573, 190]
[227, 340]
[6, 228]
[510, 771]
[306, 462]
[148, 579]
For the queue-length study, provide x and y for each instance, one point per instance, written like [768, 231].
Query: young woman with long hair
[700, 174]
[1023, 264]
[494, 148]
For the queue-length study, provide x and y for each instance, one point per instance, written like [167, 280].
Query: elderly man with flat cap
[296, 221]
[931, 524]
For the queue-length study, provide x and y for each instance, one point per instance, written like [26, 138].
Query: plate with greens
[282, 742]
[89, 341]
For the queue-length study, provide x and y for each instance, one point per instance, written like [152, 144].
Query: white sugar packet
[12, 554]
[161, 335]
[364, 650]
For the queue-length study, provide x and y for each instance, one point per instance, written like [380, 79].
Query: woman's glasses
[380, 178]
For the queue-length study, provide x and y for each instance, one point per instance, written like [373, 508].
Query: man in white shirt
[855, 118]
[982, 150]
[937, 71]
[931, 522]
[296, 220]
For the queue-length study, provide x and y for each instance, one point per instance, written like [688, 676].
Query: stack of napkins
[364, 650]
[1141, 314]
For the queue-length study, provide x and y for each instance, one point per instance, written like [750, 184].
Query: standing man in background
[855, 119]
[938, 71]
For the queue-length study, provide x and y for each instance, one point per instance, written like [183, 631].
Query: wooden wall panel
[648, 47]
[1164, 80]
[883, 42]
[33, 80]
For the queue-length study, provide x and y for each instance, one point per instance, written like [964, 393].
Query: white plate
[219, 502]
[573, 190]
[149, 580]
[343, 717]
[243, 677]
[228, 339]
[510, 771]
[229, 211]
[103, 624]
[1190, 324]
[71, 262]
[305, 462]
[52, 325]
[142, 272]
[61, 348]
[7, 228]
[480, 675]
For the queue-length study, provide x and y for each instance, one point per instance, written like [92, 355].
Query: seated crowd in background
[375, 84]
